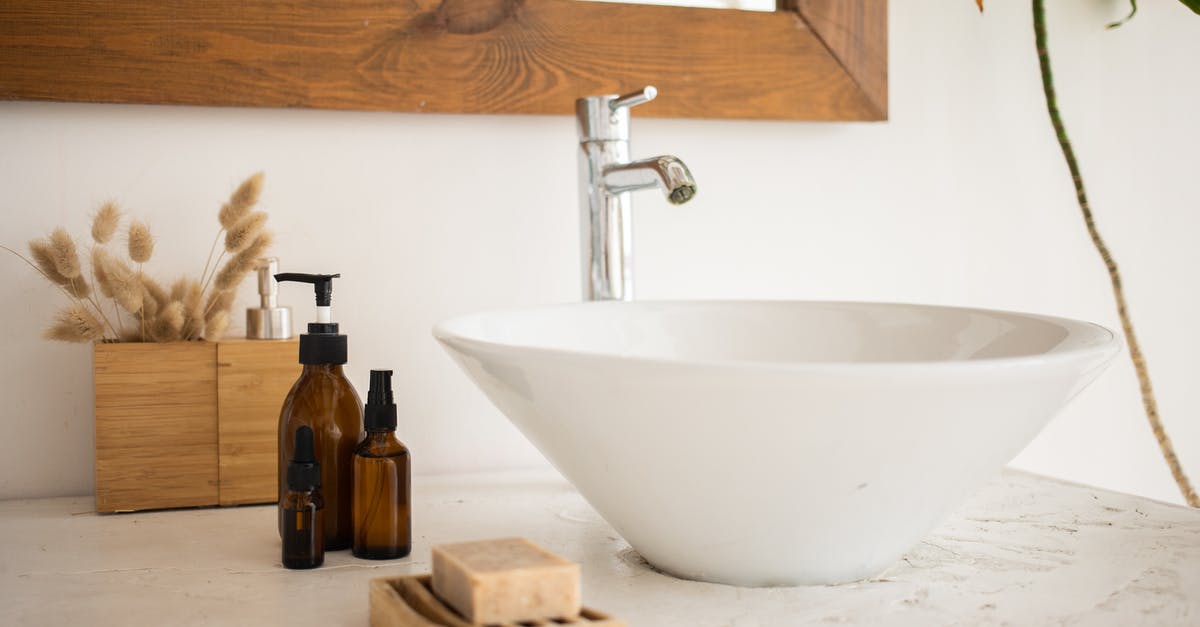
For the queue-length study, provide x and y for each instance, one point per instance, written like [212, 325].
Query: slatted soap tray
[410, 602]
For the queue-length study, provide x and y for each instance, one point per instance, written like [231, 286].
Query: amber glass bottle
[303, 508]
[382, 486]
[323, 399]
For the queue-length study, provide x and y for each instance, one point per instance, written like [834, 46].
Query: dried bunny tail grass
[221, 300]
[193, 328]
[129, 297]
[216, 326]
[62, 250]
[225, 216]
[75, 324]
[243, 233]
[236, 269]
[193, 312]
[154, 289]
[258, 248]
[179, 289]
[100, 271]
[242, 200]
[43, 256]
[168, 326]
[104, 223]
[117, 280]
[141, 243]
[79, 288]
[150, 305]
[192, 297]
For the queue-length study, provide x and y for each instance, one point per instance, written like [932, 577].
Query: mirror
[807, 60]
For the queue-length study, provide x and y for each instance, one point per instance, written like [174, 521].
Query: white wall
[961, 198]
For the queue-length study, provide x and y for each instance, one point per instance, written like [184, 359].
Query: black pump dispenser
[304, 472]
[322, 344]
[380, 411]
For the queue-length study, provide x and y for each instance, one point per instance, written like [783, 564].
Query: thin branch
[142, 311]
[111, 300]
[215, 268]
[100, 311]
[211, 249]
[1135, 350]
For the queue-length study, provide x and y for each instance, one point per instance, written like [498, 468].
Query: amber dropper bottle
[303, 508]
[382, 487]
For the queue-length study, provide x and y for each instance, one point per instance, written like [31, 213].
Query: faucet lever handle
[641, 96]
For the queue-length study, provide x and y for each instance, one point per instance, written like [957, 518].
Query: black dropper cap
[380, 412]
[303, 472]
[322, 344]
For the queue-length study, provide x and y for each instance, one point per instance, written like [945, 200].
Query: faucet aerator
[682, 194]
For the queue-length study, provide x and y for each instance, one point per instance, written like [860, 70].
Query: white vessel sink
[776, 443]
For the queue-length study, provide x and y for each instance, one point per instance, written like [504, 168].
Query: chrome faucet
[607, 180]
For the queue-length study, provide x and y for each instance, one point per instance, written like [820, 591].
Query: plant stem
[204, 287]
[116, 309]
[211, 250]
[142, 311]
[1114, 276]
[100, 311]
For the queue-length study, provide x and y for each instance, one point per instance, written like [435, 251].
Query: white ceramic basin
[776, 443]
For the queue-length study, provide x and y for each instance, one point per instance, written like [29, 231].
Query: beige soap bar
[505, 580]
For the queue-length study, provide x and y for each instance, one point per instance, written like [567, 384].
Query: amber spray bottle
[323, 399]
[382, 486]
[303, 508]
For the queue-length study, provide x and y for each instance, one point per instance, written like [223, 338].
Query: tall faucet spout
[665, 172]
[606, 178]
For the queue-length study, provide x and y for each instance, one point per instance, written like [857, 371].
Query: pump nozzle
[380, 411]
[380, 392]
[322, 285]
[322, 344]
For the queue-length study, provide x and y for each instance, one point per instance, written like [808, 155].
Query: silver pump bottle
[268, 321]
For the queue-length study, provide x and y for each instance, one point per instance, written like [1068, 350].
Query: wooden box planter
[184, 424]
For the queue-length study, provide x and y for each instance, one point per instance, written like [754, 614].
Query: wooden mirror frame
[809, 60]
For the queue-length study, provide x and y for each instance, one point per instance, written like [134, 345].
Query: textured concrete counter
[1025, 551]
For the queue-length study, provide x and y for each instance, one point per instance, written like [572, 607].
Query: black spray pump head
[380, 412]
[303, 472]
[322, 284]
[322, 344]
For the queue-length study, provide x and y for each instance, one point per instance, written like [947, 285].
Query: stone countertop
[1026, 550]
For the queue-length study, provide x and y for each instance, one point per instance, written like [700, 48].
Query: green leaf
[1194, 5]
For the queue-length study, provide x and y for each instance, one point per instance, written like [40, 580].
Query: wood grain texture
[409, 601]
[253, 378]
[388, 608]
[855, 31]
[156, 425]
[453, 56]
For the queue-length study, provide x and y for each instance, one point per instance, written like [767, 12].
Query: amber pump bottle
[323, 400]
[382, 486]
[303, 507]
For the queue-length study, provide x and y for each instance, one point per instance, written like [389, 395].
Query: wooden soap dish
[409, 602]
